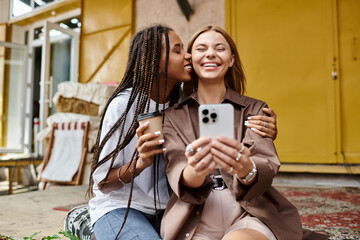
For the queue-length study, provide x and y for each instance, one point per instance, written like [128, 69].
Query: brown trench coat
[261, 199]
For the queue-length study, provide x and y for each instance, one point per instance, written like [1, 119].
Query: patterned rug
[67, 208]
[335, 211]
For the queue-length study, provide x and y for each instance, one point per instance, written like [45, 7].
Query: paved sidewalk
[317, 180]
[24, 214]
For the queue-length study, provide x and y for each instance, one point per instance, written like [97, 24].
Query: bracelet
[118, 175]
[251, 175]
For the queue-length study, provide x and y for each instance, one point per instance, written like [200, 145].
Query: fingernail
[246, 123]
[164, 149]
[249, 118]
[146, 123]
[157, 133]
[161, 141]
[253, 129]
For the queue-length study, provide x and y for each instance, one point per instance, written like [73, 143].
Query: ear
[232, 60]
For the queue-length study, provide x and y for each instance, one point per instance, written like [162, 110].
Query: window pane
[21, 7]
[12, 128]
[70, 23]
[39, 3]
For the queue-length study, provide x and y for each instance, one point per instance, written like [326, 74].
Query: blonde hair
[234, 78]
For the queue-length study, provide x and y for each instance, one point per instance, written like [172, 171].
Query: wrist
[119, 177]
[191, 179]
[250, 177]
[140, 166]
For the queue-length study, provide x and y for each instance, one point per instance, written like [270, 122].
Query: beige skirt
[222, 215]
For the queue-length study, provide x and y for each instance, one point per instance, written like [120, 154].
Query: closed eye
[177, 48]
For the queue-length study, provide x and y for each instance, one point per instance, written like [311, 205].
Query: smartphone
[216, 120]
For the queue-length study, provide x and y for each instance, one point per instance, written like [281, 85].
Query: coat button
[187, 234]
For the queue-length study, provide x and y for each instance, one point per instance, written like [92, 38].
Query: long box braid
[141, 71]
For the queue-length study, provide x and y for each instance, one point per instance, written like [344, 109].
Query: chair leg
[44, 185]
[10, 180]
[18, 172]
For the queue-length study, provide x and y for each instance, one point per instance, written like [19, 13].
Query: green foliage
[2, 237]
[63, 235]
[69, 235]
[31, 237]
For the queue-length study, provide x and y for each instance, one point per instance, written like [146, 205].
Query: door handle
[51, 83]
[354, 49]
[48, 100]
[334, 74]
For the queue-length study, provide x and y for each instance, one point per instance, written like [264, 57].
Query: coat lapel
[181, 121]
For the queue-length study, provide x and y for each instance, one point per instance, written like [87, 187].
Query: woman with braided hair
[128, 173]
[156, 63]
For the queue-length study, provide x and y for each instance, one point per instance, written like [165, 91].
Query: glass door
[13, 67]
[59, 63]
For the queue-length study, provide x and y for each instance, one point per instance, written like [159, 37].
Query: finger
[269, 128]
[222, 159]
[141, 128]
[220, 162]
[205, 166]
[261, 118]
[149, 145]
[197, 157]
[230, 142]
[261, 133]
[225, 166]
[269, 131]
[255, 122]
[192, 160]
[203, 151]
[270, 112]
[148, 154]
[209, 168]
[203, 162]
[147, 137]
[274, 116]
[224, 149]
[206, 171]
[198, 143]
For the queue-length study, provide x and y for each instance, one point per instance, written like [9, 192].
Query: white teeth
[210, 65]
[188, 67]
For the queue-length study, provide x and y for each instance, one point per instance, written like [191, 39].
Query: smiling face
[179, 68]
[211, 56]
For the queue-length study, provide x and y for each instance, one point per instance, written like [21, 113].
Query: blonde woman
[235, 201]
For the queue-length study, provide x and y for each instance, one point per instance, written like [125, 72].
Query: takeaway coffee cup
[155, 123]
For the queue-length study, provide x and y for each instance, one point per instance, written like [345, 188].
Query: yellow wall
[106, 33]
[349, 55]
[289, 50]
[2, 85]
